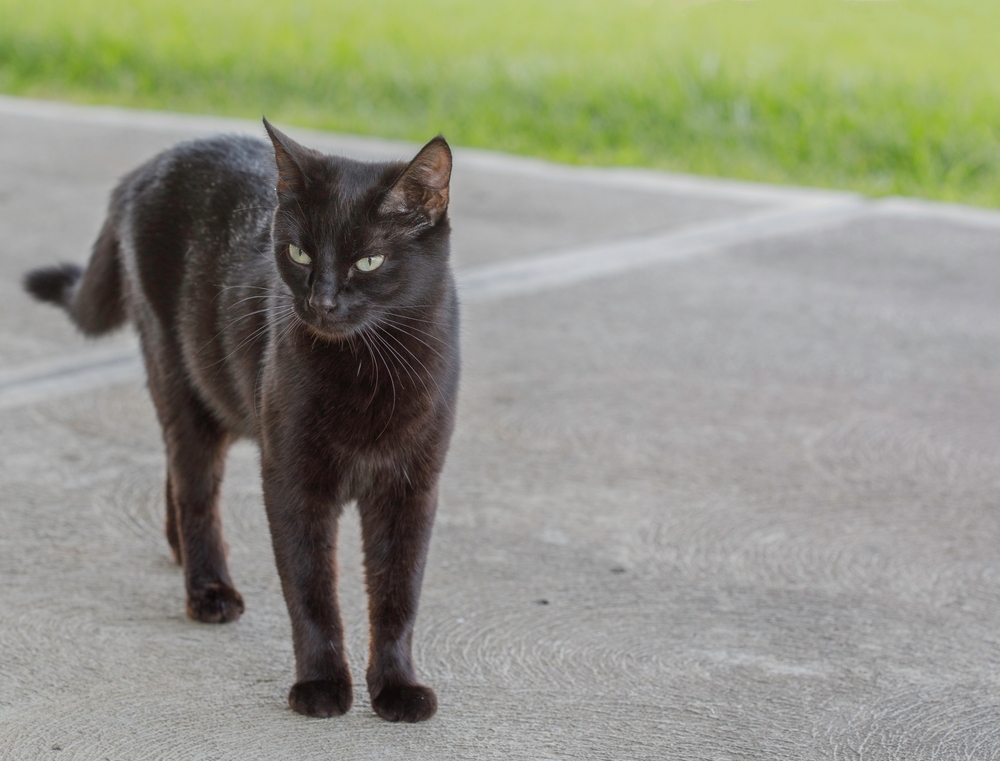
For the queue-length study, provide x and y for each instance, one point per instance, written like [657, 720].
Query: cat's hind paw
[215, 604]
[322, 698]
[405, 702]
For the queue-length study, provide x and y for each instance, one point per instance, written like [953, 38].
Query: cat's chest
[340, 408]
[342, 438]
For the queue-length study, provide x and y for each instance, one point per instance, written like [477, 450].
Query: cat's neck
[403, 350]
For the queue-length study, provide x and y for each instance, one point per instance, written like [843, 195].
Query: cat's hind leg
[196, 450]
[171, 528]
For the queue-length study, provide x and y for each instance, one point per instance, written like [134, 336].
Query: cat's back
[179, 214]
[218, 155]
[198, 178]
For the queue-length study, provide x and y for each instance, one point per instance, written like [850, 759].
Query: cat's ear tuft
[422, 188]
[287, 154]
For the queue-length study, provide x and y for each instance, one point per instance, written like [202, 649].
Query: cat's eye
[369, 263]
[299, 256]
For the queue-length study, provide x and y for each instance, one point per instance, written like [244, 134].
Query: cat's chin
[330, 334]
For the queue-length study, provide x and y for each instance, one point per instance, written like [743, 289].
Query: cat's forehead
[337, 207]
[353, 181]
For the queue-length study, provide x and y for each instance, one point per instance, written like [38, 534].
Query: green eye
[369, 263]
[299, 256]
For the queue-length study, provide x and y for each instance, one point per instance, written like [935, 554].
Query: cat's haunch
[307, 302]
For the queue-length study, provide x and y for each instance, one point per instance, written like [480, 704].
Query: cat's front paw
[214, 604]
[322, 698]
[405, 702]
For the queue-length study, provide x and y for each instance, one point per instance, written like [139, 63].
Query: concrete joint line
[92, 368]
[85, 370]
[557, 270]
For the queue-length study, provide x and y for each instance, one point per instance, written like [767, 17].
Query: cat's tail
[93, 296]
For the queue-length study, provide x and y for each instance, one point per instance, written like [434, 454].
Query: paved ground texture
[725, 483]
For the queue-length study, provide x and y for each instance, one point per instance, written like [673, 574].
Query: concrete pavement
[725, 483]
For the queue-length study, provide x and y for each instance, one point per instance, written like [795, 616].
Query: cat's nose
[323, 305]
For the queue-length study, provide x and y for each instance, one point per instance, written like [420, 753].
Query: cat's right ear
[287, 153]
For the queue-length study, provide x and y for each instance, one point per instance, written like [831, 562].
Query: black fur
[53, 284]
[93, 297]
[343, 367]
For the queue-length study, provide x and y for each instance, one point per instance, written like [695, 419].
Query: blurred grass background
[897, 96]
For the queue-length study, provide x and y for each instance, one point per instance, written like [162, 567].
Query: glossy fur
[347, 379]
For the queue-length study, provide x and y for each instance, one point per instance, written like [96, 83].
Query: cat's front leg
[304, 535]
[396, 524]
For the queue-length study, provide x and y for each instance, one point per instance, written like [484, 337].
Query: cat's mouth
[340, 329]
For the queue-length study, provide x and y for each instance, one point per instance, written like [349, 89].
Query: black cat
[306, 301]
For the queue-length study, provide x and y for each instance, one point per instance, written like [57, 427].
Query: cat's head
[359, 243]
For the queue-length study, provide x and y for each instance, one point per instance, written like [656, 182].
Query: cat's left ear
[422, 188]
[287, 154]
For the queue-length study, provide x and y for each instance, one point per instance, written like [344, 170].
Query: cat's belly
[224, 371]
[231, 404]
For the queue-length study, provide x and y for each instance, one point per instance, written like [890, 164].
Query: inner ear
[422, 188]
[288, 155]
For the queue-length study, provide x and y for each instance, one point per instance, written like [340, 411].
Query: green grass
[884, 97]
